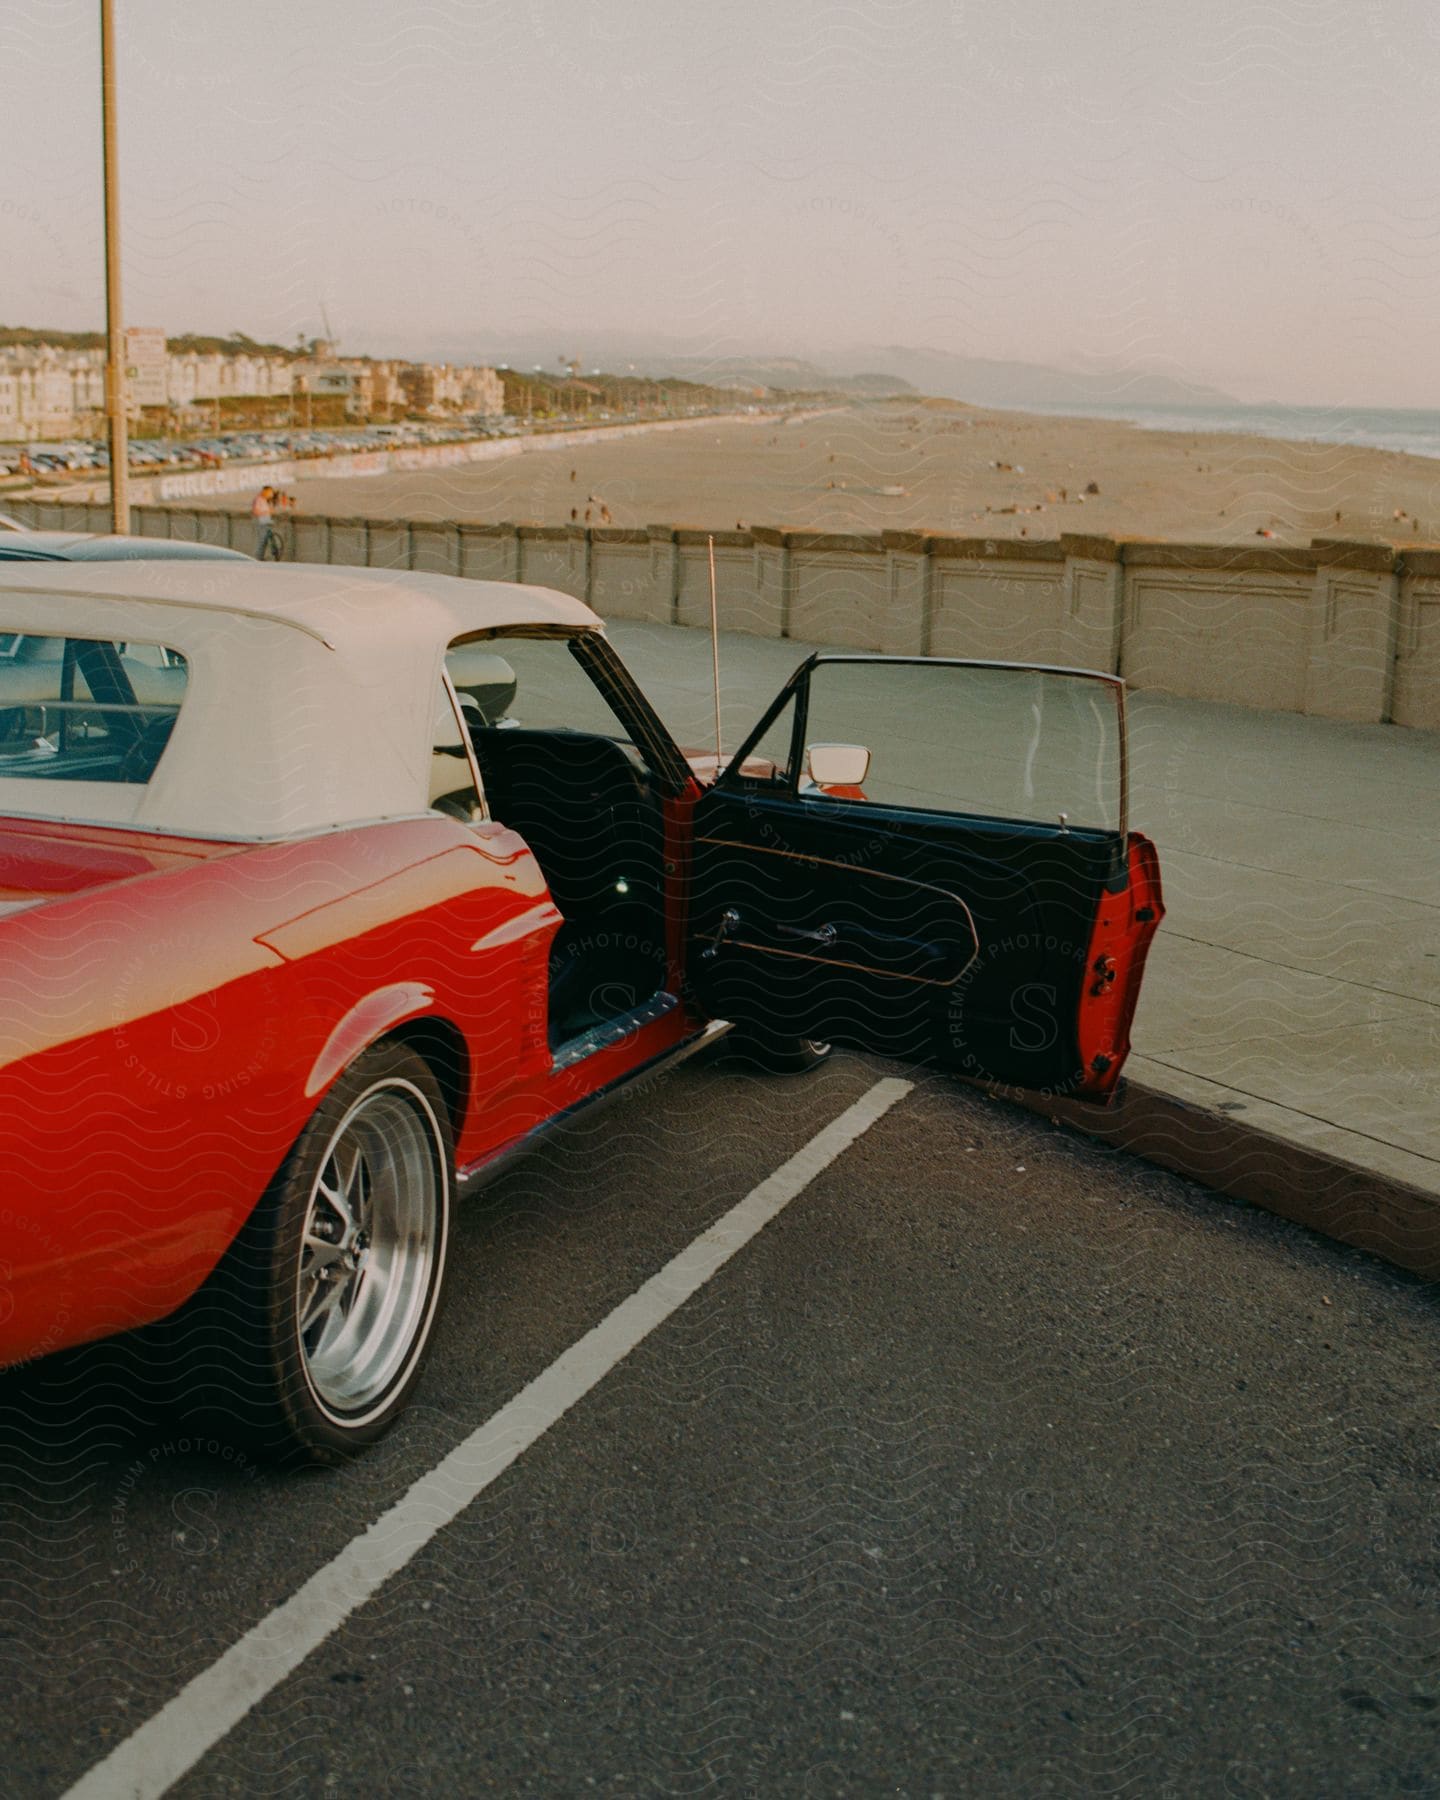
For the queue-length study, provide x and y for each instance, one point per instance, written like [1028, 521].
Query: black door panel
[811, 909]
[954, 941]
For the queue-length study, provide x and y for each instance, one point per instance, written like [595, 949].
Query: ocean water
[1412, 430]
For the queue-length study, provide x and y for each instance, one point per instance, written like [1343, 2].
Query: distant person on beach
[262, 511]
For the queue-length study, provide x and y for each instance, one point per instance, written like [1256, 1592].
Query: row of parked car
[235, 446]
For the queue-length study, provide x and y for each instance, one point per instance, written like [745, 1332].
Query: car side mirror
[837, 765]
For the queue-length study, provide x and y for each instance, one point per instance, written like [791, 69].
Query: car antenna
[715, 653]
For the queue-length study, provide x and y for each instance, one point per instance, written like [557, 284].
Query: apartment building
[49, 392]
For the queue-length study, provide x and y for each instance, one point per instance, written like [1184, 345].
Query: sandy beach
[932, 466]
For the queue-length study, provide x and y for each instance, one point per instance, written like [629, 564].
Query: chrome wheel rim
[369, 1250]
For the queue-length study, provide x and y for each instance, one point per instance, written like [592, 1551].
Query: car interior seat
[584, 804]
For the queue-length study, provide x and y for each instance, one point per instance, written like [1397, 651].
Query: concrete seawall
[1340, 630]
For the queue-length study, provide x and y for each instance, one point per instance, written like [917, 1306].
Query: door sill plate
[612, 1031]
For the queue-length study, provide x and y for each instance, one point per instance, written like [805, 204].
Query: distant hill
[985, 382]
[792, 373]
[559, 393]
[865, 371]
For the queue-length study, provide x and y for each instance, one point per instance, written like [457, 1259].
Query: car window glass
[532, 682]
[1028, 744]
[84, 709]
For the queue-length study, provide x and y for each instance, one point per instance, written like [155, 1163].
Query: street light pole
[115, 385]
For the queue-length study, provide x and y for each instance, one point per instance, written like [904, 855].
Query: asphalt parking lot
[993, 1464]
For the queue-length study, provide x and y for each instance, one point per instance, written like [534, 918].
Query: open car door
[931, 859]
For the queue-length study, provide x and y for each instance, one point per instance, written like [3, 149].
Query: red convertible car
[321, 890]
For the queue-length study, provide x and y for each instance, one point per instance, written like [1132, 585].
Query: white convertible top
[312, 692]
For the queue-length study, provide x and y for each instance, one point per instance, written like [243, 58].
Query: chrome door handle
[822, 934]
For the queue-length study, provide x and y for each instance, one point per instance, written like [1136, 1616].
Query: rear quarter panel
[163, 1040]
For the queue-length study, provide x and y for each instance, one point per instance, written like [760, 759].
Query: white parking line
[175, 1739]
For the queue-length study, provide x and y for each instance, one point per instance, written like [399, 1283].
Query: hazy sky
[1242, 192]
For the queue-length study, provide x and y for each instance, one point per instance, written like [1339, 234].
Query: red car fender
[367, 1021]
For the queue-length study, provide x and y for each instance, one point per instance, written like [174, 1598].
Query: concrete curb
[1344, 1200]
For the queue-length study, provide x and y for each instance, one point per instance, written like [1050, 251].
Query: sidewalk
[1295, 984]
[1296, 981]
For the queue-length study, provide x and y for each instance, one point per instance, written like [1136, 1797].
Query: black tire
[775, 1055]
[308, 1340]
